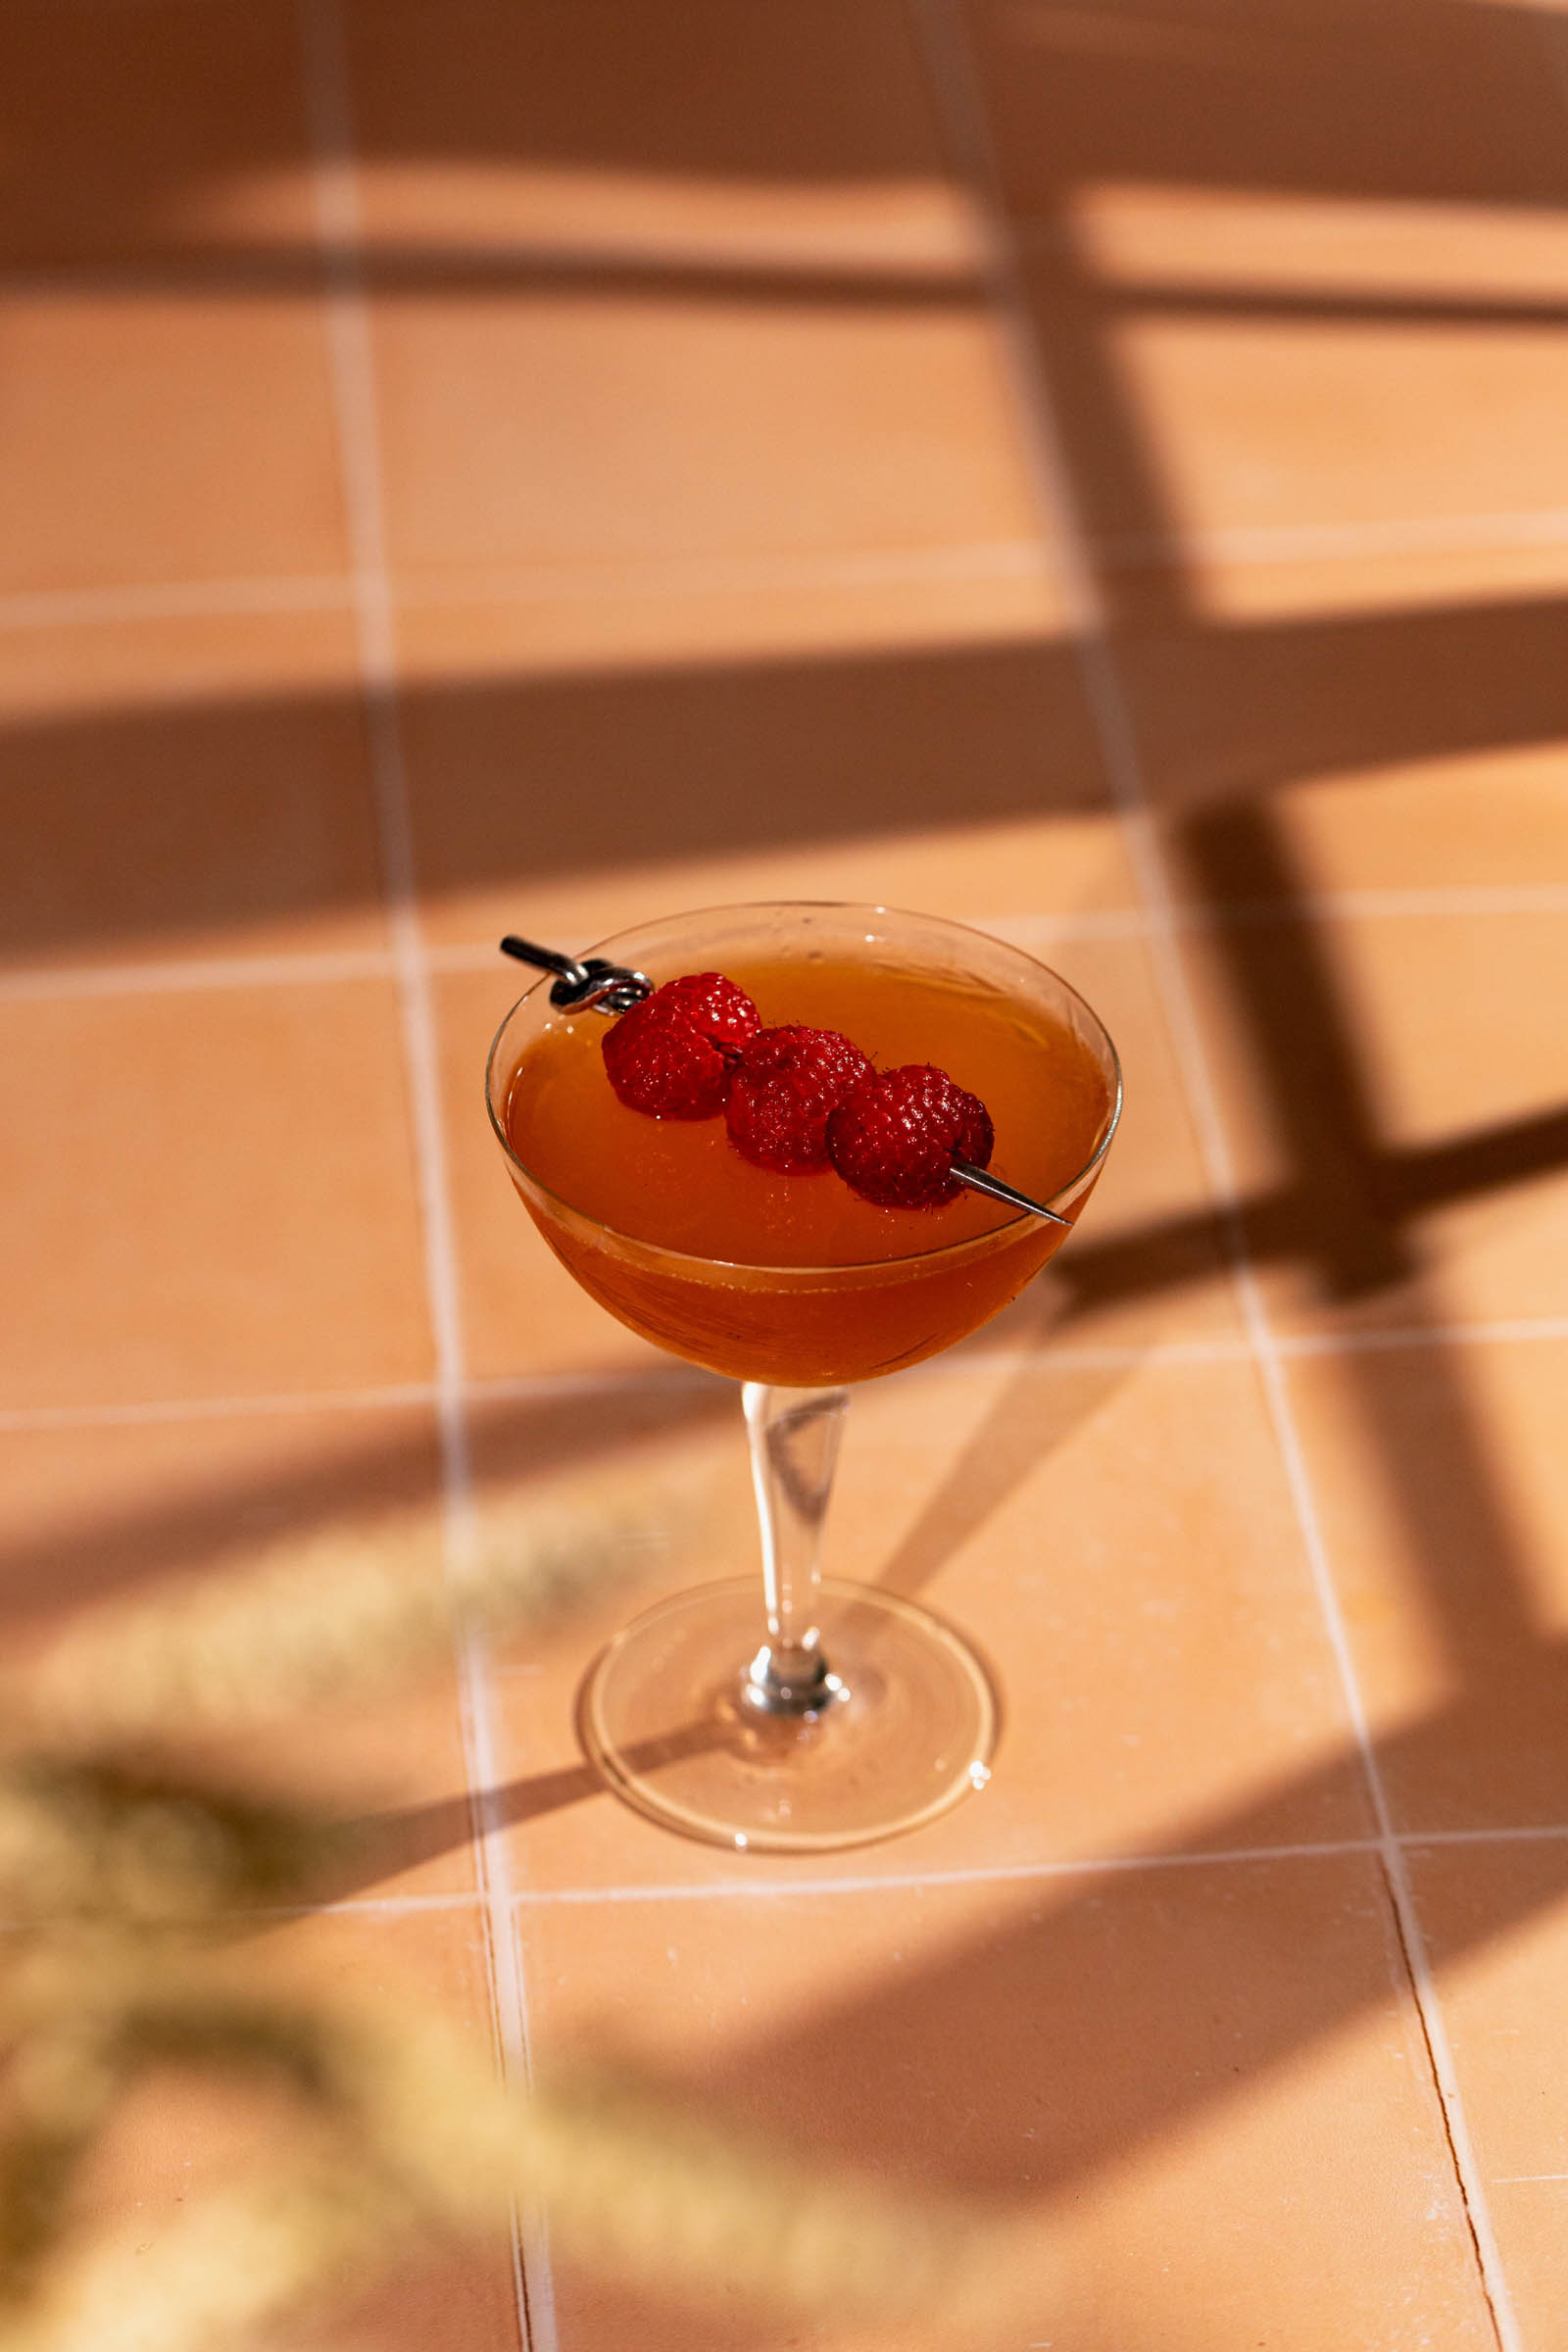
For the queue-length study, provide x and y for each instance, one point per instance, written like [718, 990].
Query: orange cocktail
[794, 1278]
[859, 1713]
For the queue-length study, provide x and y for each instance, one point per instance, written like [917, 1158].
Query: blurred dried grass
[118, 1872]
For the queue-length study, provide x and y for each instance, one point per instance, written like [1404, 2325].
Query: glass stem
[794, 1438]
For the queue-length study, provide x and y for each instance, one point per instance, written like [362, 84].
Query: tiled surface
[762, 444]
[164, 437]
[1389, 1093]
[175, 2133]
[582, 752]
[1093, 472]
[1263, 2066]
[220, 1196]
[100, 1515]
[234, 755]
[740, 405]
[1495, 1923]
[807, 140]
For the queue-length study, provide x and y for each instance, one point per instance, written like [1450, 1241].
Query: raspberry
[895, 1140]
[714, 1006]
[671, 1055]
[786, 1086]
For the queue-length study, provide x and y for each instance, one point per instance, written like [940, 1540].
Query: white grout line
[655, 576]
[1309, 542]
[652, 1380]
[47, 984]
[1517, 1331]
[1000, 1874]
[303, 968]
[348, 319]
[1411, 1841]
[377, 1906]
[718, 575]
[702, 575]
[308, 1401]
[1030, 931]
[1156, 1355]
[955, 73]
[1520, 1834]
[1376, 906]
[1070, 1867]
[174, 600]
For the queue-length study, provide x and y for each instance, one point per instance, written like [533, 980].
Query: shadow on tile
[208, 1511]
[519, 779]
[1314, 95]
[1310, 100]
[514, 781]
[1032, 1415]
[1040, 2053]
[1021, 2056]
[1226, 712]
[1307, 103]
[1311, 97]
[1353, 1206]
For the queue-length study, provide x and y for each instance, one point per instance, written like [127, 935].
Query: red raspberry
[895, 1140]
[671, 1055]
[714, 1006]
[786, 1086]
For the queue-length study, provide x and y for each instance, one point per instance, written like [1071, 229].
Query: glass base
[910, 1729]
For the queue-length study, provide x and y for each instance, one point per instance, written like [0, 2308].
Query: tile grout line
[285, 968]
[328, 967]
[1319, 542]
[176, 599]
[998, 1874]
[309, 592]
[1072, 1865]
[983, 1874]
[1521, 1330]
[955, 77]
[347, 319]
[932, 564]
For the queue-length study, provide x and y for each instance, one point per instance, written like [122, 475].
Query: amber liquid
[794, 1279]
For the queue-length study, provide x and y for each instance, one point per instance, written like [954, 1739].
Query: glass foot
[909, 1728]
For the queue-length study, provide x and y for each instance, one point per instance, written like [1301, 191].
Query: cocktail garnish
[679, 1051]
[894, 1138]
[721, 1011]
[583, 981]
[671, 1055]
[783, 1090]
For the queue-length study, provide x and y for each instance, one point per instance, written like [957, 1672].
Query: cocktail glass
[813, 1713]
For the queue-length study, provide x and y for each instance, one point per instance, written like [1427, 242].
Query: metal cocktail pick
[592, 985]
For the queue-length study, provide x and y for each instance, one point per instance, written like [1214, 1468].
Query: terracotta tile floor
[1094, 470]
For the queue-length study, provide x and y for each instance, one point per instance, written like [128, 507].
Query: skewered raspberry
[714, 1006]
[671, 1055]
[894, 1140]
[784, 1090]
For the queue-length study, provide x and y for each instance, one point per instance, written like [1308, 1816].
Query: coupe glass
[809, 1713]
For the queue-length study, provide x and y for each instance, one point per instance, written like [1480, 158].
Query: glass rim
[695, 1267]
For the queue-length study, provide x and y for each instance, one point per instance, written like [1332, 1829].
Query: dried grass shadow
[382, 1475]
